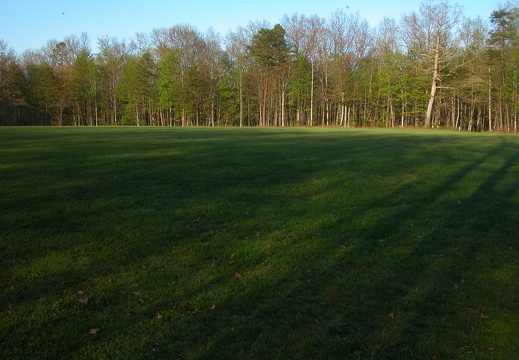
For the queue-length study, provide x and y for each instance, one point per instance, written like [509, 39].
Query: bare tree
[349, 41]
[303, 35]
[110, 59]
[431, 35]
[236, 44]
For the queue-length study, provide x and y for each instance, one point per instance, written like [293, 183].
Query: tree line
[432, 68]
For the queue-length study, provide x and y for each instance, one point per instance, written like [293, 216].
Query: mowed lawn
[230, 243]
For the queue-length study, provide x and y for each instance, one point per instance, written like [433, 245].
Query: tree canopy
[432, 68]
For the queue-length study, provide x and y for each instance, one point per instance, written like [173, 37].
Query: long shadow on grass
[402, 290]
[455, 304]
[246, 248]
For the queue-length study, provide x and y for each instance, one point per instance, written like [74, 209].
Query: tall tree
[83, 88]
[472, 77]
[210, 68]
[503, 37]
[43, 92]
[187, 43]
[12, 98]
[430, 36]
[137, 90]
[349, 39]
[432, 68]
[110, 60]
[169, 86]
[303, 34]
[270, 50]
[236, 48]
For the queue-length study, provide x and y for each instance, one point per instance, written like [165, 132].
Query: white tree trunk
[434, 85]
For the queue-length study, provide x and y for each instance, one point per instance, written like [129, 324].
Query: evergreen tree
[270, 51]
[503, 38]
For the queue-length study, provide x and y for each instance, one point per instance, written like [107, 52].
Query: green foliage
[269, 47]
[258, 243]
[307, 71]
[170, 83]
[137, 89]
[12, 86]
[229, 101]
[300, 84]
[109, 61]
[505, 25]
[83, 87]
[43, 88]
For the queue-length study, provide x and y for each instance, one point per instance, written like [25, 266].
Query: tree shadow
[403, 298]
[247, 249]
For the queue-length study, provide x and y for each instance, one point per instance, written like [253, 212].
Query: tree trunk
[283, 106]
[489, 101]
[312, 98]
[434, 85]
[241, 98]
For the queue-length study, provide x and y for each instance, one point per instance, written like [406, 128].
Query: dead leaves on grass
[231, 259]
[137, 295]
[93, 331]
[82, 300]
[238, 274]
[476, 313]
[197, 309]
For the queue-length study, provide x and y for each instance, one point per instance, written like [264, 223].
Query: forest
[431, 68]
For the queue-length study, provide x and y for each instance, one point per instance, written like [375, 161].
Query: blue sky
[29, 24]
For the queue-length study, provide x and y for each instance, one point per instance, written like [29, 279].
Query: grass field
[258, 243]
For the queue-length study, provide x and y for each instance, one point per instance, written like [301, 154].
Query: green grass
[258, 243]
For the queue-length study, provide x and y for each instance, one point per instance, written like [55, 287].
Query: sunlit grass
[258, 243]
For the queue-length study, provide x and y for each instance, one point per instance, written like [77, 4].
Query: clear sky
[29, 24]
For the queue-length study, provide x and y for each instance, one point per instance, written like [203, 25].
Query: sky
[29, 24]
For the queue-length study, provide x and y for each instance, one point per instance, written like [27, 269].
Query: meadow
[228, 243]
